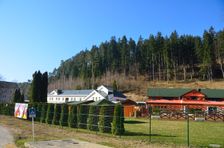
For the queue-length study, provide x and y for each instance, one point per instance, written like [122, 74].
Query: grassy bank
[164, 133]
[175, 132]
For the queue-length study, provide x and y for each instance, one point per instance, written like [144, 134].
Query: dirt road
[6, 139]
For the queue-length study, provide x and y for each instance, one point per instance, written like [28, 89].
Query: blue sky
[38, 34]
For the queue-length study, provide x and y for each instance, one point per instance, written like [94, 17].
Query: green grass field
[175, 132]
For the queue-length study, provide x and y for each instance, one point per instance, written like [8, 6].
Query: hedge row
[7, 109]
[106, 119]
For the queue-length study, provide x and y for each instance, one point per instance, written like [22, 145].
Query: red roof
[186, 102]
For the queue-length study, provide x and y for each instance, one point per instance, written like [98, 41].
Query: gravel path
[63, 143]
[6, 139]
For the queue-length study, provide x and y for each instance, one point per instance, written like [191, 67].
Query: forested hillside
[157, 58]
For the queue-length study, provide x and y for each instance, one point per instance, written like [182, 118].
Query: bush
[7, 109]
[50, 113]
[72, 116]
[11, 109]
[38, 111]
[92, 121]
[82, 116]
[118, 120]
[64, 115]
[104, 120]
[56, 116]
[34, 105]
[43, 112]
[1, 108]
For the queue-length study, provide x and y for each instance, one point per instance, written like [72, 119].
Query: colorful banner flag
[21, 110]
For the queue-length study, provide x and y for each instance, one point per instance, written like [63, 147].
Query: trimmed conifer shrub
[38, 111]
[118, 120]
[82, 116]
[34, 105]
[50, 113]
[93, 118]
[43, 112]
[1, 107]
[11, 109]
[7, 109]
[56, 116]
[104, 120]
[72, 116]
[30, 105]
[64, 115]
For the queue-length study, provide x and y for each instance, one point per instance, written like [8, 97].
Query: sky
[38, 34]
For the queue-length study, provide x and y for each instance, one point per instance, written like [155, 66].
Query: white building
[102, 92]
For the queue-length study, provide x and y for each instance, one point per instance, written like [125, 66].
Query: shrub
[50, 113]
[118, 120]
[1, 108]
[7, 109]
[64, 115]
[82, 116]
[56, 116]
[72, 116]
[11, 109]
[43, 113]
[92, 121]
[38, 111]
[35, 105]
[104, 120]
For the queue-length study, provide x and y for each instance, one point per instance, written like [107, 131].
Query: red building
[179, 98]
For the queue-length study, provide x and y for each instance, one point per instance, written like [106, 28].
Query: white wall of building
[63, 99]
[95, 96]
[102, 92]
[104, 89]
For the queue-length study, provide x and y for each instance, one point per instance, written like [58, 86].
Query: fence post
[121, 119]
[150, 123]
[188, 133]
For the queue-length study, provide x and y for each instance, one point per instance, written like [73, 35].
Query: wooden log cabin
[180, 98]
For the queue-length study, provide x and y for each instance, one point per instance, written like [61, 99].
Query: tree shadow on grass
[128, 133]
[134, 122]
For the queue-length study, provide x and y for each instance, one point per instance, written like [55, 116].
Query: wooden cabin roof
[167, 92]
[177, 92]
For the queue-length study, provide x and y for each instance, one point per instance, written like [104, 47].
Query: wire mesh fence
[99, 118]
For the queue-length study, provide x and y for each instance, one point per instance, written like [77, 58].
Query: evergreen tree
[115, 85]
[104, 120]
[56, 116]
[220, 50]
[50, 113]
[33, 89]
[64, 115]
[44, 87]
[39, 86]
[72, 116]
[82, 116]
[158, 57]
[43, 113]
[38, 111]
[118, 120]
[92, 121]
[22, 98]
[16, 96]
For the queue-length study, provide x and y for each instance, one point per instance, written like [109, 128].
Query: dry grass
[140, 94]
[21, 129]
